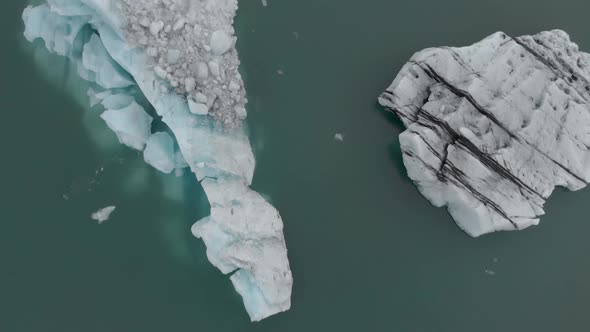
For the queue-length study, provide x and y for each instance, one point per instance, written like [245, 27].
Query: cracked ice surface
[244, 233]
[494, 127]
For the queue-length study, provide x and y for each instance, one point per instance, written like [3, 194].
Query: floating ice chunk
[339, 137]
[103, 214]
[159, 152]
[96, 59]
[131, 124]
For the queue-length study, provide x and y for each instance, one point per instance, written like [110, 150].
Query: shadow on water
[395, 151]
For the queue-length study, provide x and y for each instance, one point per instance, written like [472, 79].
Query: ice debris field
[180, 55]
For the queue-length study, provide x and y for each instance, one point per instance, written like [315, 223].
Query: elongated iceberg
[493, 128]
[173, 53]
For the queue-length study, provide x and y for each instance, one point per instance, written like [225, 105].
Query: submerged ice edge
[244, 233]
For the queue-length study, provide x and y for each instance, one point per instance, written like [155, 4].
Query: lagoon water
[368, 252]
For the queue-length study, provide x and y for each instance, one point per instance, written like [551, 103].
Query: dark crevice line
[484, 158]
[460, 93]
[478, 195]
[448, 171]
[455, 176]
[556, 71]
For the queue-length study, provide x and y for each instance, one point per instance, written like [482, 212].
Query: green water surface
[368, 252]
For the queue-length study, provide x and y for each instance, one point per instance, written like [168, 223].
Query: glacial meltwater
[368, 252]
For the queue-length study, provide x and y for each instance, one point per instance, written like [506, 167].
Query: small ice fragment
[233, 86]
[198, 108]
[160, 72]
[144, 22]
[339, 137]
[179, 24]
[280, 72]
[173, 55]
[202, 70]
[151, 51]
[490, 272]
[264, 3]
[241, 113]
[220, 42]
[201, 98]
[189, 84]
[103, 214]
[214, 68]
[156, 27]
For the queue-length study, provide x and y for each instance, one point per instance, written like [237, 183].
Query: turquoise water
[368, 253]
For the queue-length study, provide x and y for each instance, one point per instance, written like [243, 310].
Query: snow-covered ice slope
[494, 127]
[244, 233]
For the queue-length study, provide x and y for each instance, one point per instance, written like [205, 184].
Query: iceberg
[123, 54]
[493, 128]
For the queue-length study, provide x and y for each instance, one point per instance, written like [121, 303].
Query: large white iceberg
[494, 127]
[244, 233]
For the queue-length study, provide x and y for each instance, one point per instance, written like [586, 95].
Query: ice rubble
[191, 45]
[244, 233]
[494, 127]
